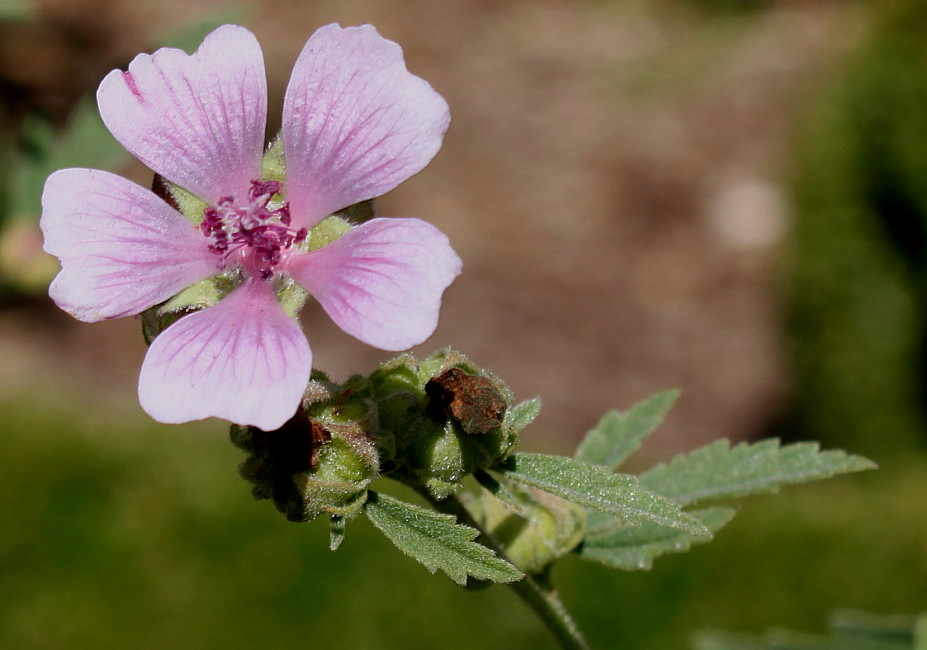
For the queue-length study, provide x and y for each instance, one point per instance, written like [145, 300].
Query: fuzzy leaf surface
[595, 487]
[437, 541]
[619, 434]
[613, 543]
[719, 471]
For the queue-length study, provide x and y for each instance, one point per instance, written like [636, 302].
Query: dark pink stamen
[260, 233]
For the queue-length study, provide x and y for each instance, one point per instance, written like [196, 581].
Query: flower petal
[243, 360]
[356, 123]
[198, 120]
[122, 249]
[382, 282]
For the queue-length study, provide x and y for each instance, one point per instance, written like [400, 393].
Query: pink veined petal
[381, 282]
[198, 120]
[242, 360]
[356, 123]
[122, 249]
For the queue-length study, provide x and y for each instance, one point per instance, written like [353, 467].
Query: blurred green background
[726, 196]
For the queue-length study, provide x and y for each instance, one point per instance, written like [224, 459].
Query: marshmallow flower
[356, 124]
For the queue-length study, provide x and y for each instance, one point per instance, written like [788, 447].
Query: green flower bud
[544, 529]
[447, 416]
[321, 461]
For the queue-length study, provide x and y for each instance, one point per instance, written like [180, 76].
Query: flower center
[254, 233]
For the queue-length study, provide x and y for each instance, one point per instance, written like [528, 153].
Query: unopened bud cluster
[426, 423]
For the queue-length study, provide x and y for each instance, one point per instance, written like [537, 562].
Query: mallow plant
[220, 256]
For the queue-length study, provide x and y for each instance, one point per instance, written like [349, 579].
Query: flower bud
[545, 528]
[321, 461]
[447, 416]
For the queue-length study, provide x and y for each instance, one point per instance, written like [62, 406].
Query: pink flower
[356, 123]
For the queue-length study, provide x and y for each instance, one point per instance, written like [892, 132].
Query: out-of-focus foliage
[722, 7]
[859, 266]
[848, 630]
[15, 9]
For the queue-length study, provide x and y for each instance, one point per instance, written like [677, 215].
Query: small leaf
[437, 541]
[615, 544]
[523, 413]
[719, 471]
[595, 487]
[619, 434]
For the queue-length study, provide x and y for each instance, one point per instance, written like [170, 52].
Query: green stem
[535, 590]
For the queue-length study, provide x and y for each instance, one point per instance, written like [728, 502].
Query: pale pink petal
[382, 282]
[122, 249]
[356, 123]
[242, 360]
[198, 120]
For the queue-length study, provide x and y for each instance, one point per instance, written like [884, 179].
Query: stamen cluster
[259, 233]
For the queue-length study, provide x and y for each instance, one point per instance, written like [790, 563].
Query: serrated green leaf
[437, 541]
[592, 486]
[719, 471]
[619, 434]
[523, 413]
[619, 546]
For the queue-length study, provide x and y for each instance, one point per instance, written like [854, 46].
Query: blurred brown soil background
[613, 179]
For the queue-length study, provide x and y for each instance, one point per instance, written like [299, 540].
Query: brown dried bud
[471, 400]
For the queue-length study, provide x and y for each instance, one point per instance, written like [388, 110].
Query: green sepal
[187, 203]
[522, 414]
[437, 541]
[336, 526]
[619, 434]
[326, 231]
[592, 486]
[613, 543]
[273, 166]
[359, 212]
[195, 298]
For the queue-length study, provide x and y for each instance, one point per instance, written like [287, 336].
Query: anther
[254, 231]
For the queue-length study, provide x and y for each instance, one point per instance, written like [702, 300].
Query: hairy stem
[536, 591]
